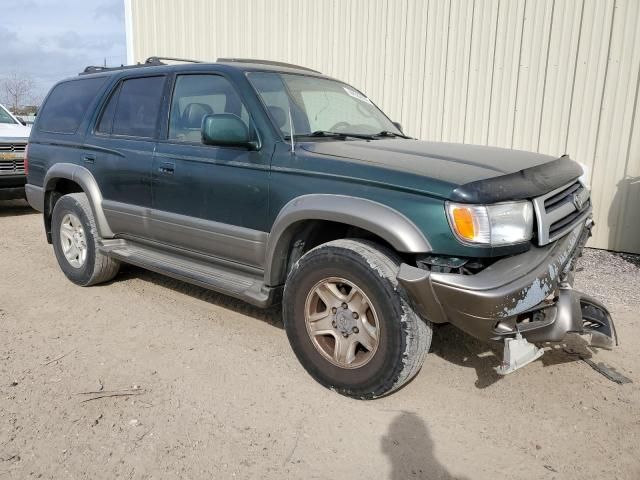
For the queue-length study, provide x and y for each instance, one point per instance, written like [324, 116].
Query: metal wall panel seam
[546, 70]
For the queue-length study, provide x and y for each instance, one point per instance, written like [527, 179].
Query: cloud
[73, 41]
[110, 10]
[49, 40]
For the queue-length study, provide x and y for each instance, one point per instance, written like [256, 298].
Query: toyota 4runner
[273, 183]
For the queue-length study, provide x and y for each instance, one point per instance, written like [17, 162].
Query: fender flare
[387, 223]
[87, 182]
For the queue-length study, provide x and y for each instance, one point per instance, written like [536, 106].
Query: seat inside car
[191, 121]
[193, 114]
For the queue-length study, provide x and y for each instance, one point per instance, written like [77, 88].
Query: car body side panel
[122, 169]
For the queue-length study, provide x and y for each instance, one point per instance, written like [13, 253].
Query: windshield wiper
[340, 135]
[387, 133]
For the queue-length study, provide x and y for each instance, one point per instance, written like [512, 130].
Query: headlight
[584, 178]
[493, 225]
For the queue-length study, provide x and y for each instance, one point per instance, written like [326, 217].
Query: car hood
[14, 132]
[465, 170]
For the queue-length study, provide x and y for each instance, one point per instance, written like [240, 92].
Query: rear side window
[137, 106]
[67, 105]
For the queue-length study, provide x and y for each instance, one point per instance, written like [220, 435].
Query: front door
[209, 199]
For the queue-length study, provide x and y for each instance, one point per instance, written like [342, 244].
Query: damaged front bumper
[529, 293]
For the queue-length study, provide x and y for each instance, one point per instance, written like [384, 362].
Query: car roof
[153, 65]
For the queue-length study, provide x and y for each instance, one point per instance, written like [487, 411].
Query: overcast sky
[52, 39]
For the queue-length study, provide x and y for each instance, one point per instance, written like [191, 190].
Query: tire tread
[105, 268]
[417, 332]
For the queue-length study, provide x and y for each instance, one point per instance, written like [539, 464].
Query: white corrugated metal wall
[554, 76]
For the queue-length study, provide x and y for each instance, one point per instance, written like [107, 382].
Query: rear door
[121, 149]
[209, 199]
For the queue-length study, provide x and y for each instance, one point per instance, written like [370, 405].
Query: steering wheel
[340, 125]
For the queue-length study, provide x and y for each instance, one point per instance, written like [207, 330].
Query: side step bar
[243, 285]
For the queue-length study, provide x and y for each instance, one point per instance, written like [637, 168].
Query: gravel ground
[215, 391]
[610, 277]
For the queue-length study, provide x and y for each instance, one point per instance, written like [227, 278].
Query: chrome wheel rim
[342, 323]
[73, 240]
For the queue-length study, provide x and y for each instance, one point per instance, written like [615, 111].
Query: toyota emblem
[577, 202]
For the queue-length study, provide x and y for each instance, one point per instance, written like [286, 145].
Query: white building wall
[554, 76]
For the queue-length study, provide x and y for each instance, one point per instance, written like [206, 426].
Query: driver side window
[196, 96]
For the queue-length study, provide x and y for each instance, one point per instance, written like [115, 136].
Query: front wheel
[348, 321]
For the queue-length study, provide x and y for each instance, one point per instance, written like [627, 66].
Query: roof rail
[265, 62]
[149, 62]
[159, 60]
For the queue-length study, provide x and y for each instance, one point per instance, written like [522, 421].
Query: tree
[17, 90]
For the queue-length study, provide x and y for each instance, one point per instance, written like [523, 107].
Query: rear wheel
[348, 321]
[74, 236]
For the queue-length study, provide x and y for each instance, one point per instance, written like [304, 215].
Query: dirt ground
[217, 393]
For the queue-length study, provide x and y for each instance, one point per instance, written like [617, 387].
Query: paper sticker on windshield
[357, 95]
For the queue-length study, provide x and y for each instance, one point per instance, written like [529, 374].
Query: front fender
[87, 182]
[381, 220]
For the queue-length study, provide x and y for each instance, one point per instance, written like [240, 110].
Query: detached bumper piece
[517, 353]
[597, 321]
[520, 300]
[574, 312]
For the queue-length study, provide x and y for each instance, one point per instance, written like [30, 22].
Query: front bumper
[12, 186]
[530, 293]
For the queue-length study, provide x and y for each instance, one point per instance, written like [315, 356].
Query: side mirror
[398, 126]
[226, 129]
[22, 121]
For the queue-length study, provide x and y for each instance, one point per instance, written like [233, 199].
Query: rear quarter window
[67, 105]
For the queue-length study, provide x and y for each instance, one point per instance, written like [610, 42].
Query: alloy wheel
[342, 323]
[73, 240]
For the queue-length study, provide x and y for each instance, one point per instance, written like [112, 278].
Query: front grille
[12, 158]
[559, 211]
[12, 147]
[11, 166]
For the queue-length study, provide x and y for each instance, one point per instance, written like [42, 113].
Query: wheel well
[308, 234]
[56, 189]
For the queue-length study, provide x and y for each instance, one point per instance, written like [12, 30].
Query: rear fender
[87, 182]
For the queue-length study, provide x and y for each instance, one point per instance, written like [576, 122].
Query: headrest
[193, 114]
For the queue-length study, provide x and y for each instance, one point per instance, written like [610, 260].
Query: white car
[13, 143]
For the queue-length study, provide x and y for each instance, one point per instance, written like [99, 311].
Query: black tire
[404, 337]
[97, 267]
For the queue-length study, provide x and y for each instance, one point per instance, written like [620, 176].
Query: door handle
[89, 159]
[167, 168]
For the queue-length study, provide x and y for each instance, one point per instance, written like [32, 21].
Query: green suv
[274, 184]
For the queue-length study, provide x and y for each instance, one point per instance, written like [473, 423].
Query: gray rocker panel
[230, 242]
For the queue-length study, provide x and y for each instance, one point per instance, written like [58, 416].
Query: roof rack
[265, 62]
[149, 62]
[159, 60]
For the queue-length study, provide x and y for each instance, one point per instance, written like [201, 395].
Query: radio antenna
[293, 151]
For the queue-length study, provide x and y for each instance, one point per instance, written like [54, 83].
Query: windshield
[5, 117]
[318, 105]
